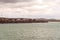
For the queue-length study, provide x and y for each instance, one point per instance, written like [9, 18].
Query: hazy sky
[30, 8]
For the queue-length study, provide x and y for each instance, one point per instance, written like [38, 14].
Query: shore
[27, 20]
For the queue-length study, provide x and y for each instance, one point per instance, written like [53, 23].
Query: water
[30, 31]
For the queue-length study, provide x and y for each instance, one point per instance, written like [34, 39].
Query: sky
[30, 8]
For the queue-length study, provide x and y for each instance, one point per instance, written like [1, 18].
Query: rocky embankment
[27, 20]
[54, 20]
[23, 20]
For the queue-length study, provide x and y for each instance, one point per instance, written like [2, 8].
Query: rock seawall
[22, 20]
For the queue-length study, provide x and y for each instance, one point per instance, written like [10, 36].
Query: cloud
[29, 8]
[14, 1]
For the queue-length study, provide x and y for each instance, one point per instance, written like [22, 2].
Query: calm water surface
[30, 31]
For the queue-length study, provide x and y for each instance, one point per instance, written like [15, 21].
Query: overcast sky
[30, 8]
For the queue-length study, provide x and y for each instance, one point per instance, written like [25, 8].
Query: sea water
[30, 31]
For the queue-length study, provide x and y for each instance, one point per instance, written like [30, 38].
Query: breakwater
[27, 20]
[22, 20]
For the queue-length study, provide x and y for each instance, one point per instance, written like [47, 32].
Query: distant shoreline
[27, 20]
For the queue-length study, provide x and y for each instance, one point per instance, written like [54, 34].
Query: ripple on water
[30, 31]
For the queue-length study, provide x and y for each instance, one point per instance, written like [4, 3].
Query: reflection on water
[30, 31]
